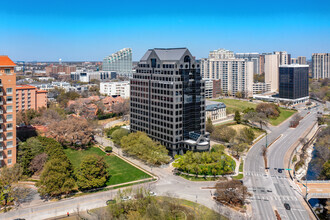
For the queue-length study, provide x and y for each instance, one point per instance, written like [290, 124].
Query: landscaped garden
[119, 170]
[213, 163]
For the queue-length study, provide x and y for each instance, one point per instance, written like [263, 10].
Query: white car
[125, 198]
[152, 193]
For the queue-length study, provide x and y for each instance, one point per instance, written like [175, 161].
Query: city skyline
[88, 32]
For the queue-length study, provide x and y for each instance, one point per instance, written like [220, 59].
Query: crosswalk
[275, 198]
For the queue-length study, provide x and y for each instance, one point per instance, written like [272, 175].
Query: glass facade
[293, 81]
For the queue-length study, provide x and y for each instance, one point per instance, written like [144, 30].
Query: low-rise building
[212, 88]
[216, 111]
[115, 89]
[29, 97]
[261, 87]
[87, 76]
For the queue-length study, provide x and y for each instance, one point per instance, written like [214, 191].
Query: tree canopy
[140, 145]
[92, 172]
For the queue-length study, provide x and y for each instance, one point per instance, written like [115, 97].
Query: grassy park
[240, 105]
[119, 170]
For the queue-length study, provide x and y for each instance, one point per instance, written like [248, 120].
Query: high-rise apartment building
[8, 112]
[298, 60]
[29, 97]
[167, 100]
[236, 75]
[120, 62]
[321, 65]
[284, 57]
[271, 64]
[293, 81]
[254, 57]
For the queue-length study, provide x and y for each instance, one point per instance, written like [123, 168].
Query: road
[272, 189]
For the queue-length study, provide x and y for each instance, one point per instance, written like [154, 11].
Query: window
[9, 144]
[9, 117]
[9, 99]
[9, 108]
[7, 71]
[9, 161]
[9, 126]
[9, 135]
[9, 152]
[9, 90]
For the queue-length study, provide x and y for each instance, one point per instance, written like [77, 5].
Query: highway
[272, 189]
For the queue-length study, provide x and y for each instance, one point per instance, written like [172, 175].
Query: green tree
[239, 95]
[223, 133]
[209, 125]
[237, 117]
[56, 178]
[118, 134]
[325, 173]
[92, 172]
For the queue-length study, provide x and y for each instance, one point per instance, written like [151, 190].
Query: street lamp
[266, 139]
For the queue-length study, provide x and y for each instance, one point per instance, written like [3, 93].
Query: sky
[74, 30]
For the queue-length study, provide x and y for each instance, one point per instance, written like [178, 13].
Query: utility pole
[266, 139]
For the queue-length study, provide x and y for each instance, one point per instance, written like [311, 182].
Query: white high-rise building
[254, 57]
[271, 67]
[321, 65]
[284, 57]
[115, 89]
[120, 62]
[236, 75]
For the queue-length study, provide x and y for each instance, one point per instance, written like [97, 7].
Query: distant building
[321, 65]
[254, 57]
[8, 112]
[261, 87]
[298, 60]
[88, 76]
[29, 97]
[212, 88]
[119, 62]
[168, 101]
[215, 111]
[59, 69]
[236, 75]
[284, 57]
[293, 81]
[121, 89]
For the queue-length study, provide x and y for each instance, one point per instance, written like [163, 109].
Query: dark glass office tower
[293, 81]
[167, 100]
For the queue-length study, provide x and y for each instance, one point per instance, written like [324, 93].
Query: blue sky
[80, 31]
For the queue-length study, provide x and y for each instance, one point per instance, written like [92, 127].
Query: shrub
[118, 134]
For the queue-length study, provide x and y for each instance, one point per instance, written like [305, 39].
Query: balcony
[1, 148]
[1, 157]
[1, 139]
[1, 120]
[1, 111]
[1, 102]
[1, 93]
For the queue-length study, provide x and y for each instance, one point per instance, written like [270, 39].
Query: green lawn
[241, 166]
[285, 113]
[234, 104]
[120, 171]
[238, 177]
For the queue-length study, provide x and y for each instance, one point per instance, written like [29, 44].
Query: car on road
[125, 198]
[287, 206]
[269, 190]
[279, 170]
[152, 193]
[110, 201]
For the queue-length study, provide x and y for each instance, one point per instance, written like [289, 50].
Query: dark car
[110, 201]
[279, 170]
[287, 206]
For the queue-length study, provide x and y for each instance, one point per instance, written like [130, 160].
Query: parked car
[287, 206]
[110, 201]
[125, 198]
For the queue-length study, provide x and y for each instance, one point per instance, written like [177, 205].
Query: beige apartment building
[271, 68]
[8, 112]
[29, 97]
[321, 65]
[236, 75]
